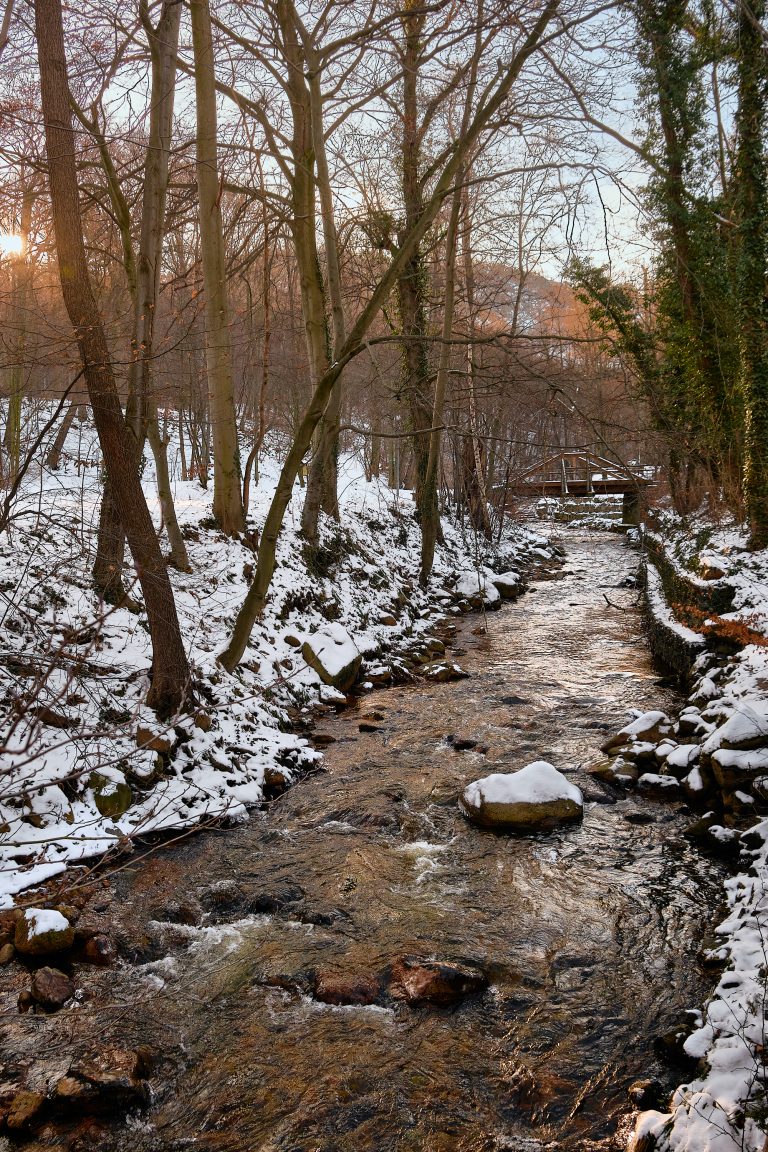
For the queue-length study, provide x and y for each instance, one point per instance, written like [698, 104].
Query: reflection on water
[588, 936]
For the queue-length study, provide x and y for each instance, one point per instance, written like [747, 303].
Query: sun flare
[11, 245]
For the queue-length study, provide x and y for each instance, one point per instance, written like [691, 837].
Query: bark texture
[170, 671]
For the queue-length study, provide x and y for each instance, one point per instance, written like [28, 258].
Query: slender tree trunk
[53, 459]
[252, 464]
[170, 671]
[478, 497]
[430, 519]
[324, 472]
[19, 292]
[227, 497]
[412, 282]
[163, 43]
[308, 151]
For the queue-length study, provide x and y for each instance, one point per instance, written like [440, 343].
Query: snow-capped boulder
[650, 727]
[477, 588]
[507, 584]
[333, 654]
[537, 798]
[745, 728]
[43, 931]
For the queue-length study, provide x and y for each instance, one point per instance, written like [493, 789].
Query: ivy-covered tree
[752, 219]
[697, 337]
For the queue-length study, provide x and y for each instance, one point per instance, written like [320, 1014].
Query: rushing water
[589, 936]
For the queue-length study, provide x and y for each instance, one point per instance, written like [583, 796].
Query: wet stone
[100, 950]
[434, 981]
[332, 988]
[25, 1109]
[646, 1094]
[51, 989]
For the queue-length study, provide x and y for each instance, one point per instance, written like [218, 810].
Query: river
[588, 936]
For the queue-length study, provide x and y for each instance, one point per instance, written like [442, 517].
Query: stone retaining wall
[670, 642]
[713, 596]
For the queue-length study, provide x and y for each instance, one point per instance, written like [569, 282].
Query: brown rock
[7, 953]
[100, 950]
[26, 1000]
[203, 721]
[434, 982]
[25, 1109]
[275, 783]
[388, 621]
[332, 988]
[115, 1075]
[51, 988]
[154, 741]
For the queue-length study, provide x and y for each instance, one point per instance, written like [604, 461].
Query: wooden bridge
[580, 473]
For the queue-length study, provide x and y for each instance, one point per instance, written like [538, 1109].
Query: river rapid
[589, 936]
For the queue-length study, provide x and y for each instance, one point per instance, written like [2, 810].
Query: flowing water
[589, 936]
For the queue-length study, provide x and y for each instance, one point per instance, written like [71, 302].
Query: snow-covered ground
[719, 749]
[73, 783]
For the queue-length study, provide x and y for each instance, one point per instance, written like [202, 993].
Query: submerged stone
[434, 981]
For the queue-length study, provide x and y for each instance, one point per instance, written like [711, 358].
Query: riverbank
[87, 770]
[707, 600]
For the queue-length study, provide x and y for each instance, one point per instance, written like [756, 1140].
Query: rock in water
[51, 989]
[41, 932]
[538, 798]
[434, 981]
[24, 1110]
[508, 585]
[334, 656]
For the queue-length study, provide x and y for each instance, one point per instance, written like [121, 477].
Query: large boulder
[649, 728]
[507, 584]
[477, 588]
[333, 654]
[43, 932]
[51, 988]
[538, 798]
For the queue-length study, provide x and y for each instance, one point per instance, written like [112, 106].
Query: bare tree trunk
[324, 472]
[430, 515]
[477, 491]
[252, 464]
[255, 600]
[170, 671]
[53, 459]
[411, 284]
[227, 497]
[20, 288]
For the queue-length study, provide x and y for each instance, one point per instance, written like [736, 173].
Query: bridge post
[631, 507]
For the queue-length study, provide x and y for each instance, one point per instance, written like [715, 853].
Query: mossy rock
[112, 798]
[43, 932]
